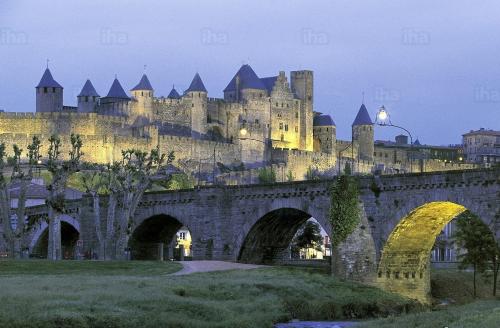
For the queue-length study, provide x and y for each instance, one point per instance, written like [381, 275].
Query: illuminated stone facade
[276, 113]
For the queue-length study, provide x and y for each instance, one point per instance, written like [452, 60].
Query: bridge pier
[405, 281]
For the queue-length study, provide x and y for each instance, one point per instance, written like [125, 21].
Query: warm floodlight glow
[405, 257]
[382, 114]
[243, 132]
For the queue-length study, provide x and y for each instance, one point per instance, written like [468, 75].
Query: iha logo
[312, 37]
[212, 37]
[415, 37]
[386, 95]
[486, 95]
[9, 36]
[110, 37]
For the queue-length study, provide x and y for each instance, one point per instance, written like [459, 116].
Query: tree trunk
[474, 280]
[110, 226]
[496, 267]
[16, 247]
[122, 239]
[54, 252]
[97, 224]
[332, 264]
[5, 218]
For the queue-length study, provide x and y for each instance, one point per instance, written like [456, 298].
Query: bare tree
[99, 180]
[15, 236]
[136, 174]
[61, 171]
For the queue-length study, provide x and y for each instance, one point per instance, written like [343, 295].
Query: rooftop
[116, 90]
[247, 80]
[47, 81]
[483, 132]
[323, 120]
[88, 90]
[363, 118]
[197, 84]
[143, 84]
[173, 94]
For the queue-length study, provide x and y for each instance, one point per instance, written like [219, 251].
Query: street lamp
[383, 119]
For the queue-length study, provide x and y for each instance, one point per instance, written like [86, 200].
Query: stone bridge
[401, 218]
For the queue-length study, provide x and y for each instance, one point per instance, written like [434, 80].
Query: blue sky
[434, 65]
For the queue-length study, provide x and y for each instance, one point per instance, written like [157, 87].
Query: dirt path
[189, 267]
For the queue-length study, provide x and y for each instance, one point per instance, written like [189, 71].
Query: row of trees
[122, 183]
[19, 178]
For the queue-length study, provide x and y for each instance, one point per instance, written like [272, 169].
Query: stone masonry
[255, 223]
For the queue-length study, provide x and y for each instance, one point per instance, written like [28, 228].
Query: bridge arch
[270, 235]
[159, 230]
[404, 265]
[70, 232]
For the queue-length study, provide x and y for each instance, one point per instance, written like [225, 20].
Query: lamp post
[383, 119]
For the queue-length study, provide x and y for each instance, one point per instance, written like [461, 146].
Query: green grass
[99, 268]
[480, 314]
[457, 286]
[140, 294]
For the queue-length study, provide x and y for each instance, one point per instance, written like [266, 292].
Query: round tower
[362, 134]
[143, 94]
[325, 134]
[49, 94]
[88, 99]
[196, 98]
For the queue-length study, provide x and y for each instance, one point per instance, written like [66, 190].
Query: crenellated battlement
[61, 115]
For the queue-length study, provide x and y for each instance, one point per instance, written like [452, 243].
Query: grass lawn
[480, 314]
[141, 294]
[457, 286]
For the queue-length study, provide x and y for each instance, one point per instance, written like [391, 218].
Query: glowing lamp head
[243, 132]
[382, 114]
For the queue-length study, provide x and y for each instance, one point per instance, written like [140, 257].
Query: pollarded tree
[344, 210]
[137, 172]
[20, 179]
[483, 252]
[102, 180]
[60, 170]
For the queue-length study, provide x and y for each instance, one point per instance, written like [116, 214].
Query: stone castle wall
[299, 162]
[63, 123]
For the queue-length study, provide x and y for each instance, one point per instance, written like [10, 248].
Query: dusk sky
[434, 65]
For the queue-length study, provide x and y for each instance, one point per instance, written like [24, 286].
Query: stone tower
[143, 94]
[302, 86]
[116, 101]
[362, 134]
[88, 99]
[49, 94]
[325, 134]
[196, 98]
